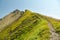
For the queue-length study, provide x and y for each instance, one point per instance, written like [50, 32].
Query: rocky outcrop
[10, 18]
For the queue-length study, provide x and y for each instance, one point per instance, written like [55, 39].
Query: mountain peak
[16, 10]
[27, 10]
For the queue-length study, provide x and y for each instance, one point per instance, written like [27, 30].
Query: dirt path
[54, 35]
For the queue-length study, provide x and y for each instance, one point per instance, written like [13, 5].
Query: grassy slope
[13, 26]
[29, 27]
[56, 24]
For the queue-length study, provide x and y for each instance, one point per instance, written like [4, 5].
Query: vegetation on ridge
[31, 26]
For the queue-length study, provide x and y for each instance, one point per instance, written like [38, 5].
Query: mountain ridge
[26, 23]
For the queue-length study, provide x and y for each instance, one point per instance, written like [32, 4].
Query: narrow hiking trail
[54, 35]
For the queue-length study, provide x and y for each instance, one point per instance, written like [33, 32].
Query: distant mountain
[27, 25]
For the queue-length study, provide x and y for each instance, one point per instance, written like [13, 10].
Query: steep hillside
[7, 20]
[28, 25]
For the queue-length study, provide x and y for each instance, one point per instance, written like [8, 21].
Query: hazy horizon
[45, 7]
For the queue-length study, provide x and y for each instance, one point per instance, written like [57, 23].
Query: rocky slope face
[27, 25]
[7, 20]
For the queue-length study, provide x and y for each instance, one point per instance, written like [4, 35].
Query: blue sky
[45, 7]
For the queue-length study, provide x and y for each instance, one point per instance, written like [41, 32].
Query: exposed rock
[10, 18]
